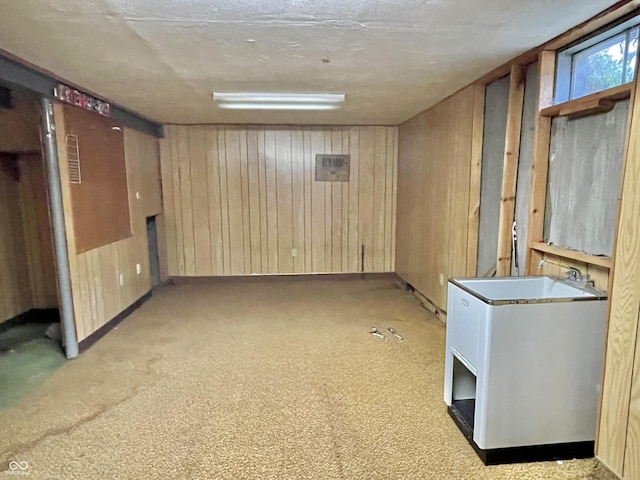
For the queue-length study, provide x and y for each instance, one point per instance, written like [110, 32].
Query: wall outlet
[121, 279]
[138, 269]
[441, 279]
[294, 252]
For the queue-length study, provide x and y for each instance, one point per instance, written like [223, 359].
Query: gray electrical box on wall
[332, 168]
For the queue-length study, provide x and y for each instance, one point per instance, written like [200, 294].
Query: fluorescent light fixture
[279, 101]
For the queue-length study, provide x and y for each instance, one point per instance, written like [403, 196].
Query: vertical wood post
[540, 168]
[510, 168]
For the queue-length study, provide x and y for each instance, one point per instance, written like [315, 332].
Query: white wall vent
[73, 156]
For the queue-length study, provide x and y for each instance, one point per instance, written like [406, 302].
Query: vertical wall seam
[193, 220]
[359, 243]
[275, 159]
[244, 209]
[224, 240]
[207, 174]
[345, 131]
[304, 196]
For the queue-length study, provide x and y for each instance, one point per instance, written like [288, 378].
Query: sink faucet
[572, 274]
[575, 275]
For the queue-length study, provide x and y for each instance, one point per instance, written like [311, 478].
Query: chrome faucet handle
[573, 274]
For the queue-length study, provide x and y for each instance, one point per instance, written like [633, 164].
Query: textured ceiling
[392, 58]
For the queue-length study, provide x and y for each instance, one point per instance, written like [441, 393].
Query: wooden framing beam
[619, 420]
[576, 255]
[474, 181]
[597, 102]
[540, 168]
[510, 168]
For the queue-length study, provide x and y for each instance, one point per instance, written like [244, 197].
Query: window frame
[565, 58]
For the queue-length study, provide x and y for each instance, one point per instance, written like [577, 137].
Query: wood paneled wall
[95, 275]
[244, 200]
[19, 126]
[147, 170]
[27, 269]
[438, 193]
[37, 232]
[15, 295]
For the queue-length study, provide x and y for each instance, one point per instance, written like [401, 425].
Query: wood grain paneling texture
[20, 126]
[475, 181]
[95, 275]
[631, 468]
[619, 431]
[437, 170]
[15, 290]
[147, 154]
[244, 200]
[37, 232]
[27, 271]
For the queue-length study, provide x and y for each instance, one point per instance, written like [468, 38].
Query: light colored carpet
[256, 380]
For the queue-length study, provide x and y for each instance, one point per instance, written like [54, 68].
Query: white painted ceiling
[392, 58]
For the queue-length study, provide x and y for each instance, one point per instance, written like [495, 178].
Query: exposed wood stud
[540, 167]
[586, 258]
[618, 441]
[510, 168]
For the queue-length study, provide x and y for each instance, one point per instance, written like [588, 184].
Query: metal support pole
[59, 231]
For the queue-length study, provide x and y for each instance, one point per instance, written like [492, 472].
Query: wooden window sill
[601, 261]
[589, 104]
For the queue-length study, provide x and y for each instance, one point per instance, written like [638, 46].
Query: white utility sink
[523, 365]
[525, 289]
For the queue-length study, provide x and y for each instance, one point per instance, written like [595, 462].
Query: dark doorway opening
[30, 333]
[154, 257]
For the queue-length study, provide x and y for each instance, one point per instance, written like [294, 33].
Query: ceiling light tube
[279, 101]
[278, 106]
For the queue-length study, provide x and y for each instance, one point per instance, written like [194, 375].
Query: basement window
[599, 63]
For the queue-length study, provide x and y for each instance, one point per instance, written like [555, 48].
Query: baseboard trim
[88, 342]
[285, 277]
[426, 302]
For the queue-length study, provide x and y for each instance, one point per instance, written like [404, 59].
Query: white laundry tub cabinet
[523, 365]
